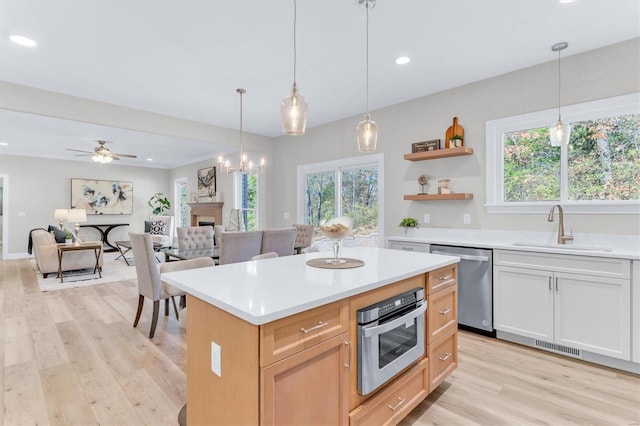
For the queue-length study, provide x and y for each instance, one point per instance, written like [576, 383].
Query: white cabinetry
[408, 246]
[578, 302]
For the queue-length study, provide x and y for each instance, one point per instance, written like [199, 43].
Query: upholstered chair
[194, 237]
[217, 234]
[304, 235]
[149, 283]
[310, 249]
[268, 255]
[279, 240]
[239, 246]
[162, 230]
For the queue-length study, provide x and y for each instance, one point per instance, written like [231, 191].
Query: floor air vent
[559, 348]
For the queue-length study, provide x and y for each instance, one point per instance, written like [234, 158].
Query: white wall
[39, 186]
[597, 74]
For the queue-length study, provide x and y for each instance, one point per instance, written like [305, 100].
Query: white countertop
[265, 290]
[615, 246]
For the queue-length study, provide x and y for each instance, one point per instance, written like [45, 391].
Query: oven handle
[374, 331]
[464, 256]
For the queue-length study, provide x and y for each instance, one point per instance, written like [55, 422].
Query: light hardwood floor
[72, 357]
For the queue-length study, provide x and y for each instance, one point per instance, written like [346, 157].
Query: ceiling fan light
[367, 134]
[294, 113]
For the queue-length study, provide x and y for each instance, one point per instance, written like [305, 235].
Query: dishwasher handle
[463, 256]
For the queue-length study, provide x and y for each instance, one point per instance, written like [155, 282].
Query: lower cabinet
[585, 312]
[310, 387]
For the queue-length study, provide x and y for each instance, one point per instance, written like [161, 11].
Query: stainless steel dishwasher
[475, 287]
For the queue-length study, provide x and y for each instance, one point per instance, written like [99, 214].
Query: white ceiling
[186, 58]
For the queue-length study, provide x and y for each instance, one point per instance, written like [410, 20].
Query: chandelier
[245, 164]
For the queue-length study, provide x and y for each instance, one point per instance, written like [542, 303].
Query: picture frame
[102, 197]
[430, 145]
[207, 182]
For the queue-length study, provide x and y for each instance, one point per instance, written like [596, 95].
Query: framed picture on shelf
[207, 182]
[431, 145]
[102, 196]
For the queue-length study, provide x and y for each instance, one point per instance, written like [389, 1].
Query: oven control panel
[388, 306]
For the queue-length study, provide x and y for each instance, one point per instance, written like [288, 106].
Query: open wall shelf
[434, 197]
[439, 153]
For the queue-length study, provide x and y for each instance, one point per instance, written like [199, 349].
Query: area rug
[112, 270]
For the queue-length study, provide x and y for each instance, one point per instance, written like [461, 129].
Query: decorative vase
[68, 241]
[409, 231]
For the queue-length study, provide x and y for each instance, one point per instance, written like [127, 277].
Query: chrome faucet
[561, 237]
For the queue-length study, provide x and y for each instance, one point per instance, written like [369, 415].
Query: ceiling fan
[101, 154]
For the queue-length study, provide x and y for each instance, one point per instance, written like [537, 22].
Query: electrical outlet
[22, 214]
[466, 218]
[427, 218]
[285, 215]
[216, 361]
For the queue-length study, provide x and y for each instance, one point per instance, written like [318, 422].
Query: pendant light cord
[295, 19]
[367, 54]
[241, 91]
[559, 84]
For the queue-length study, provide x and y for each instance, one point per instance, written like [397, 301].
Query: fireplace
[208, 213]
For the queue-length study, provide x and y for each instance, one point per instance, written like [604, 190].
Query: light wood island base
[276, 374]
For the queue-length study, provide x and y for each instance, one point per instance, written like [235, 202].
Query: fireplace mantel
[206, 212]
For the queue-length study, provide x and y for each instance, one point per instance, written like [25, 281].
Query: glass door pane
[320, 199]
[360, 200]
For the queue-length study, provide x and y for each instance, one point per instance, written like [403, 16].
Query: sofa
[45, 251]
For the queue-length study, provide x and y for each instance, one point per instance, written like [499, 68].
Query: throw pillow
[158, 228]
[147, 226]
[59, 234]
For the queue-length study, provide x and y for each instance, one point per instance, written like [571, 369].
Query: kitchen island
[274, 340]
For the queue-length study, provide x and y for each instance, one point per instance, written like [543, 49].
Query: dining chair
[304, 235]
[217, 234]
[195, 237]
[311, 249]
[279, 240]
[239, 246]
[268, 255]
[149, 283]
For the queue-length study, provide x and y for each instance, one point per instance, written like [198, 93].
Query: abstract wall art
[102, 196]
[207, 182]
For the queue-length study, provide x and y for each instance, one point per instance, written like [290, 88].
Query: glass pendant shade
[294, 113]
[559, 134]
[367, 134]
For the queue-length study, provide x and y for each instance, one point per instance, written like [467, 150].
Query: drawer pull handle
[407, 248]
[446, 356]
[445, 277]
[400, 402]
[348, 365]
[445, 311]
[319, 326]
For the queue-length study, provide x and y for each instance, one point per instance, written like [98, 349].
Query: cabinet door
[309, 388]
[593, 314]
[523, 302]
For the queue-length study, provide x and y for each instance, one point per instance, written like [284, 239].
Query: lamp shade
[77, 215]
[559, 134]
[61, 214]
[294, 113]
[367, 134]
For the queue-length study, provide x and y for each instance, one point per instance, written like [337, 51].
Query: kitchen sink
[562, 246]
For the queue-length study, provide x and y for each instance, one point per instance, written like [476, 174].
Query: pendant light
[559, 134]
[367, 128]
[294, 106]
[245, 164]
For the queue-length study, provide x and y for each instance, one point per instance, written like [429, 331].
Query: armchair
[162, 230]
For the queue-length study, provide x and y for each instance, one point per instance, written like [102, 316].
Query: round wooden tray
[322, 263]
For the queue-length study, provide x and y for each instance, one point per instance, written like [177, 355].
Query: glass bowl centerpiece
[336, 229]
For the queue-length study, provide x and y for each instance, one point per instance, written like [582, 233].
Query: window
[598, 172]
[247, 215]
[351, 187]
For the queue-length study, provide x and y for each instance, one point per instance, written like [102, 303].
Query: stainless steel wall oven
[390, 338]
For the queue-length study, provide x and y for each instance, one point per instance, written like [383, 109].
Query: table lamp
[77, 216]
[61, 215]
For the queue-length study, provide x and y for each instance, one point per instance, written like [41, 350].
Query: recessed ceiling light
[567, 1]
[22, 40]
[4, 144]
[403, 60]
[149, 159]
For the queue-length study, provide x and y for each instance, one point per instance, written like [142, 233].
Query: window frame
[237, 195]
[343, 164]
[495, 130]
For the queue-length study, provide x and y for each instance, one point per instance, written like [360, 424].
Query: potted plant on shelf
[409, 224]
[159, 204]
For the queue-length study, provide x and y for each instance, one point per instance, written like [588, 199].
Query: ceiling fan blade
[79, 150]
[126, 155]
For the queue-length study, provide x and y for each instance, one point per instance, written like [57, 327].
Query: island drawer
[393, 403]
[287, 336]
[439, 279]
[443, 358]
[442, 313]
